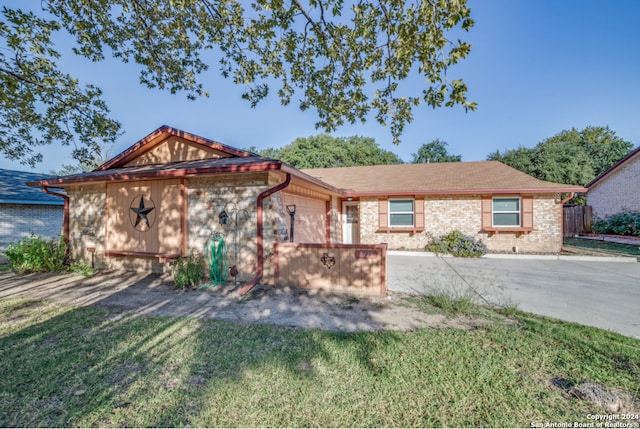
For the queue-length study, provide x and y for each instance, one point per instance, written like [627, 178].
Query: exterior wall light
[291, 208]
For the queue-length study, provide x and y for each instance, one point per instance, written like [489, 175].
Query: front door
[350, 222]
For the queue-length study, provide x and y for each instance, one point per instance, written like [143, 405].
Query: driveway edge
[525, 256]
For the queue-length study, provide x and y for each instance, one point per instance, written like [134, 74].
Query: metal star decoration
[141, 211]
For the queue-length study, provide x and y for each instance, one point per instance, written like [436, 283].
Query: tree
[99, 157]
[571, 156]
[435, 151]
[40, 104]
[324, 150]
[345, 60]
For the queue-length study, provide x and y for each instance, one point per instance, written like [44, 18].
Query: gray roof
[13, 189]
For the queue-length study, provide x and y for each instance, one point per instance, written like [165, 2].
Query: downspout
[260, 229]
[65, 216]
[571, 195]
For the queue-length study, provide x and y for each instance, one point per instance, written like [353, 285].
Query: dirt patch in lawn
[154, 295]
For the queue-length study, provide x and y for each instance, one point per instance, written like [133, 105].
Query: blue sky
[536, 67]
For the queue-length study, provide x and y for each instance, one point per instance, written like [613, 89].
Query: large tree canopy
[571, 156]
[434, 151]
[345, 60]
[39, 104]
[324, 150]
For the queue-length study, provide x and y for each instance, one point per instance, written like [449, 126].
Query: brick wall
[618, 191]
[22, 220]
[445, 214]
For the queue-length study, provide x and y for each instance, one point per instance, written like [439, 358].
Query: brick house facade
[440, 198]
[616, 190]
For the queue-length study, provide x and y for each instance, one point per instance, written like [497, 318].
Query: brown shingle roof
[436, 178]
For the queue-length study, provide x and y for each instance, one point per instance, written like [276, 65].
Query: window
[506, 212]
[401, 213]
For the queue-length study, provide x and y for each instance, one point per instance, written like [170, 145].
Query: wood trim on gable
[162, 133]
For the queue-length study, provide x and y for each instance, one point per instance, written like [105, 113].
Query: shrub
[187, 271]
[83, 268]
[457, 244]
[36, 254]
[625, 223]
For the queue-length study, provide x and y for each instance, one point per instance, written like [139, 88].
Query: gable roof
[13, 189]
[614, 168]
[126, 166]
[160, 135]
[139, 162]
[436, 179]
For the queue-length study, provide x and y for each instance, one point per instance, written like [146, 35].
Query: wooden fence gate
[577, 220]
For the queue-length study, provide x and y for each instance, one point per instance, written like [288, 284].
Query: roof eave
[304, 176]
[162, 174]
[613, 168]
[353, 193]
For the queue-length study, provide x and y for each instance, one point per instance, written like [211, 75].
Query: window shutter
[487, 213]
[383, 215]
[418, 207]
[527, 212]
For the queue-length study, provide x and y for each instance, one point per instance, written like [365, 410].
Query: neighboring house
[25, 210]
[616, 190]
[171, 192]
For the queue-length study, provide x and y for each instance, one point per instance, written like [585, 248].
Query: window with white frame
[506, 212]
[401, 213]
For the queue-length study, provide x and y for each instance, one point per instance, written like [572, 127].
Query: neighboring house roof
[436, 179]
[13, 189]
[619, 164]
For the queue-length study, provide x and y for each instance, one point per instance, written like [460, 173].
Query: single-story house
[616, 190]
[25, 210]
[172, 191]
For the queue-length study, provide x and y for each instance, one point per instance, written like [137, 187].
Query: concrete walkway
[597, 291]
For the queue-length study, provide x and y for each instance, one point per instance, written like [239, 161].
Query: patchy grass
[597, 247]
[66, 366]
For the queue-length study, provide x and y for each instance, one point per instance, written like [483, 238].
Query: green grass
[66, 366]
[591, 247]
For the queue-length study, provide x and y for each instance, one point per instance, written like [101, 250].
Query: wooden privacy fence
[338, 267]
[577, 220]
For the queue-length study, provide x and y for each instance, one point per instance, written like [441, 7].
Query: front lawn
[585, 246]
[66, 366]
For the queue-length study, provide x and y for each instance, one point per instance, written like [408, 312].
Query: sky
[536, 67]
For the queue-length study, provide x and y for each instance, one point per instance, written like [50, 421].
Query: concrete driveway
[588, 290]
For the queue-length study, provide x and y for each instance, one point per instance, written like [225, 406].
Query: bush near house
[36, 254]
[457, 244]
[625, 223]
[187, 271]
